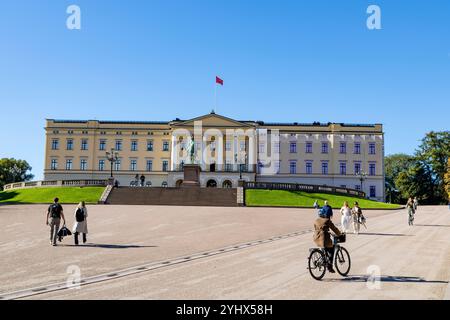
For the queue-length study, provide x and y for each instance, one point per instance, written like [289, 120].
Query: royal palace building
[227, 150]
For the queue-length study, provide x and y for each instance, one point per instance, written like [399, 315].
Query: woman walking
[346, 217]
[411, 211]
[356, 213]
[80, 225]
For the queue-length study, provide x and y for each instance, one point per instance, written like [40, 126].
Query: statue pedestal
[191, 176]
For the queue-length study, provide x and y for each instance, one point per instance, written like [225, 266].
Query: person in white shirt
[346, 217]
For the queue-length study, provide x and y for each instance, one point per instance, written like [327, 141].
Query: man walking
[54, 215]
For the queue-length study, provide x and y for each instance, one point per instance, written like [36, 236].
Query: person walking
[411, 211]
[80, 225]
[316, 205]
[53, 218]
[346, 217]
[357, 214]
[142, 180]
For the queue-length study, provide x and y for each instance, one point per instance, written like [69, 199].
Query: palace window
[324, 147]
[343, 168]
[55, 144]
[228, 146]
[165, 146]
[134, 145]
[357, 148]
[324, 167]
[69, 144]
[343, 147]
[83, 164]
[54, 164]
[357, 168]
[228, 166]
[101, 165]
[149, 165]
[242, 145]
[118, 145]
[102, 145]
[84, 144]
[293, 147]
[372, 169]
[69, 164]
[133, 165]
[276, 147]
[165, 165]
[309, 168]
[292, 167]
[372, 191]
[308, 147]
[150, 145]
[371, 148]
[262, 147]
[117, 165]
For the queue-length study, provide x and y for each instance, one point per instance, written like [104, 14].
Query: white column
[204, 156]
[219, 146]
[173, 153]
[251, 151]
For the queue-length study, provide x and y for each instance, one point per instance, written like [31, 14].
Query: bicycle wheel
[342, 261]
[317, 264]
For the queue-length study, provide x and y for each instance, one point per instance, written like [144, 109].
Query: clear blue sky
[281, 61]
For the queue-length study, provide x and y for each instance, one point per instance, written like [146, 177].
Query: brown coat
[322, 236]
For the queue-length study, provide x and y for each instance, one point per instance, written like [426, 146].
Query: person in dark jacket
[53, 218]
[322, 236]
[327, 210]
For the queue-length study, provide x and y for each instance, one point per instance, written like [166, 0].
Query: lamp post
[112, 158]
[362, 176]
[240, 163]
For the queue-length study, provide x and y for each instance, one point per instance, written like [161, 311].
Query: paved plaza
[221, 253]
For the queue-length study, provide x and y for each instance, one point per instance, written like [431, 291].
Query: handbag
[63, 232]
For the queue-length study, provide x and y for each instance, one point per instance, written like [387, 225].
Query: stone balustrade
[55, 183]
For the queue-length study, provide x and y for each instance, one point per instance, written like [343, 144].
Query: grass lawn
[46, 195]
[282, 198]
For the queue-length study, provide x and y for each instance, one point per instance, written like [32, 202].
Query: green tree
[447, 180]
[433, 155]
[416, 181]
[394, 165]
[12, 170]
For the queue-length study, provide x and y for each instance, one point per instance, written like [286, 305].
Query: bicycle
[318, 259]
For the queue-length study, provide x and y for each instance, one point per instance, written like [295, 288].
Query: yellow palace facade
[227, 150]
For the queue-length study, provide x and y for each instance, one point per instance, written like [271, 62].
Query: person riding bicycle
[322, 236]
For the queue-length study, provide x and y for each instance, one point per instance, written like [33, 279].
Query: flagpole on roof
[215, 97]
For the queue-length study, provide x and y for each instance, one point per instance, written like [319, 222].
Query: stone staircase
[173, 196]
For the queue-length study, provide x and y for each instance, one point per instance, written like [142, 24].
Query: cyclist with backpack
[53, 218]
[80, 225]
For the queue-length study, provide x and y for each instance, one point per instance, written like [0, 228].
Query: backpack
[55, 211]
[79, 215]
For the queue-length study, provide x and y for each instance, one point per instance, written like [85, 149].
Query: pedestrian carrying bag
[79, 215]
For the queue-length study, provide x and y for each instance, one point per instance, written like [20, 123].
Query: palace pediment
[212, 120]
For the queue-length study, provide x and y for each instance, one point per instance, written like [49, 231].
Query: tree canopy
[12, 170]
[423, 175]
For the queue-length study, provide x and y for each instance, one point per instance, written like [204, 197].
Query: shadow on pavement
[432, 225]
[384, 234]
[107, 246]
[368, 278]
